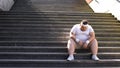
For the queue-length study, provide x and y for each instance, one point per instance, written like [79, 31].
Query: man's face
[84, 26]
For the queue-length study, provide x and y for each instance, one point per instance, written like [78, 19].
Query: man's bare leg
[94, 49]
[71, 49]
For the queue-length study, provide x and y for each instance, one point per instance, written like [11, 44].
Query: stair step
[56, 17]
[53, 25]
[53, 49]
[58, 63]
[48, 38]
[57, 33]
[53, 34]
[57, 22]
[54, 37]
[42, 55]
[12, 26]
[77, 13]
[14, 43]
[28, 19]
[59, 67]
[55, 29]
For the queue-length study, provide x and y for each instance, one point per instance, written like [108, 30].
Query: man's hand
[86, 44]
[77, 40]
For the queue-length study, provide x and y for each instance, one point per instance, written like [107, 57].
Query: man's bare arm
[92, 36]
[72, 36]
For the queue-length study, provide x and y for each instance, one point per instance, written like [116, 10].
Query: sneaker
[94, 57]
[70, 58]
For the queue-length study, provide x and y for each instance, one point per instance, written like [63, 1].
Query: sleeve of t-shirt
[91, 29]
[73, 30]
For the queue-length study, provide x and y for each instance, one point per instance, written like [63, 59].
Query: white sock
[71, 55]
[94, 57]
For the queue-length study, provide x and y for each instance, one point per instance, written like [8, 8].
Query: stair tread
[61, 61]
[51, 41]
[59, 67]
[57, 15]
[53, 53]
[54, 12]
[50, 47]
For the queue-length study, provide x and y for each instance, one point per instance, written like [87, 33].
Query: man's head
[84, 25]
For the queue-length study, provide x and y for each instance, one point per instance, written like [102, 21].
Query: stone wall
[5, 5]
[106, 6]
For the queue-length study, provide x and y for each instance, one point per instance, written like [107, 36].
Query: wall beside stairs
[5, 5]
[105, 6]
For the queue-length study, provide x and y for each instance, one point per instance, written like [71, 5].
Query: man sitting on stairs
[82, 35]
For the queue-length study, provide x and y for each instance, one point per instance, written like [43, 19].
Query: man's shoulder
[89, 26]
[76, 25]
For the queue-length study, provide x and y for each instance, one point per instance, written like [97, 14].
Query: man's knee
[93, 42]
[70, 43]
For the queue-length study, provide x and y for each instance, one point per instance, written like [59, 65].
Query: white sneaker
[94, 57]
[70, 58]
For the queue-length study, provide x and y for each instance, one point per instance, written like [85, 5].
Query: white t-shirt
[81, 35]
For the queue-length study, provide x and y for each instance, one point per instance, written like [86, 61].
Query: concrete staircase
[38, 40]
[34, 34]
